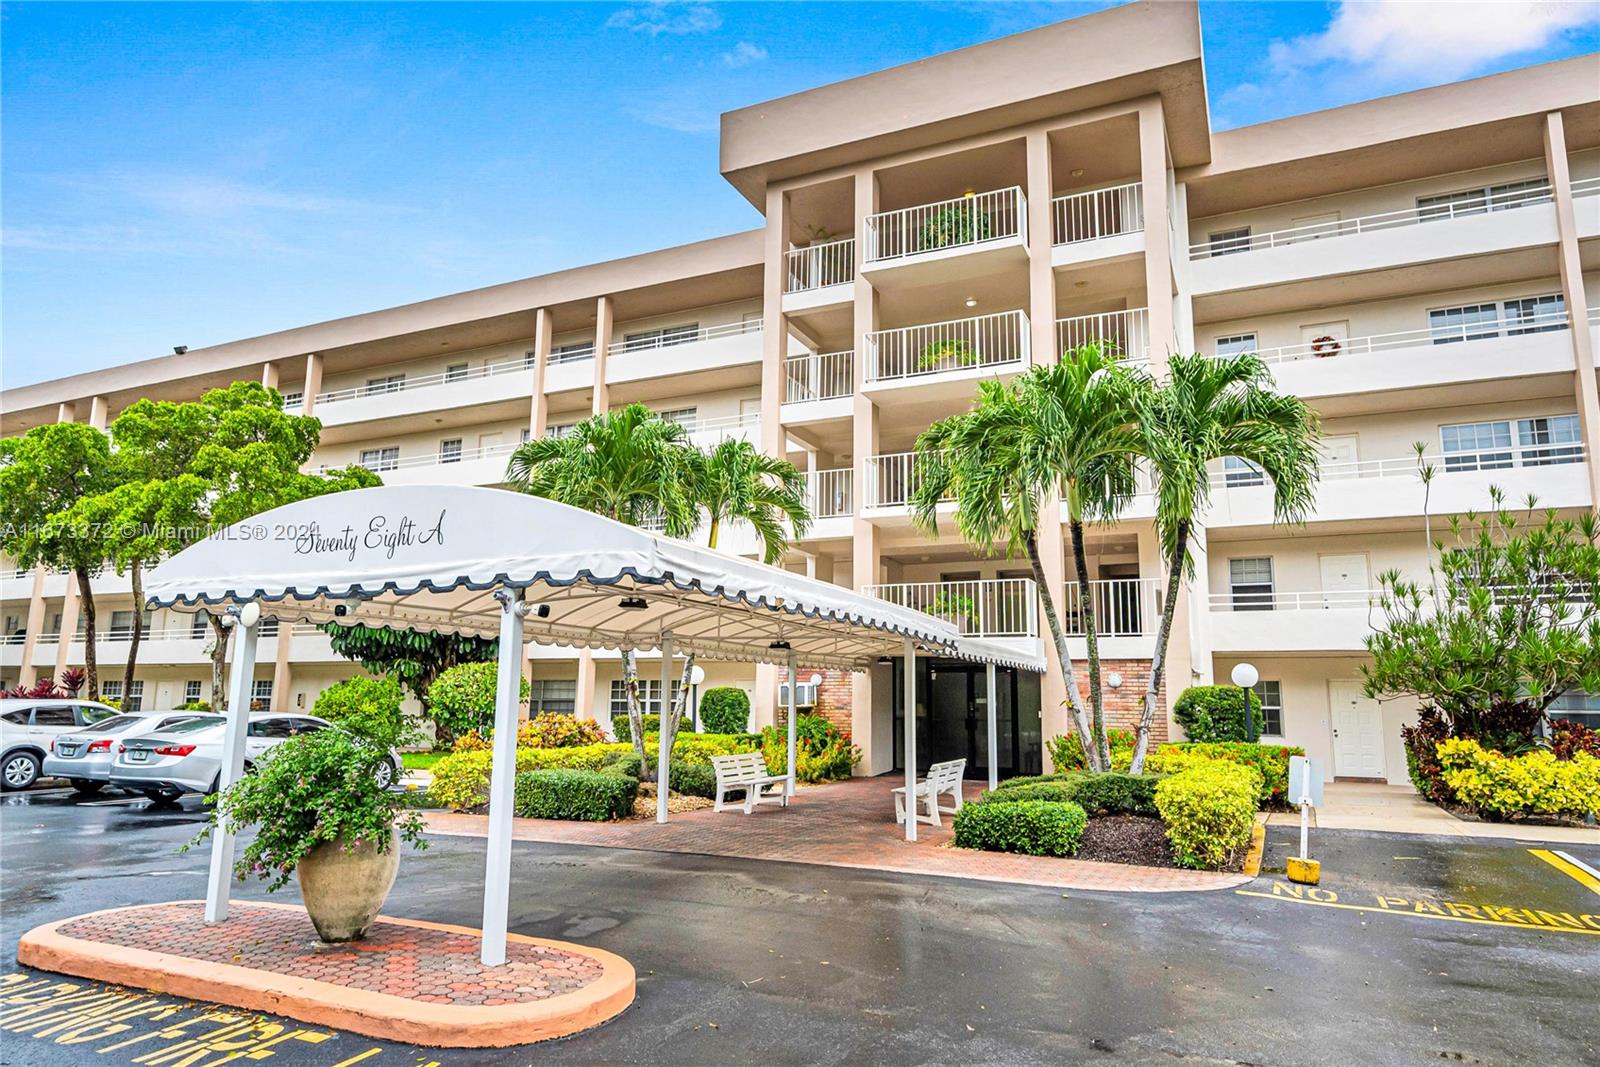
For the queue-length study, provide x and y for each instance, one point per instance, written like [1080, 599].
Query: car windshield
[97, 714]
[114, 724]
[195, 725]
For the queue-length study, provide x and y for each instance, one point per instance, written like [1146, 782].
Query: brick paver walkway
[431, 966]
[846, 824]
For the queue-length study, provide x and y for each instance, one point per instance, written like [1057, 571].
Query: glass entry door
[952, 717]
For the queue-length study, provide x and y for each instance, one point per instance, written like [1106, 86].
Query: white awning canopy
[431, 558]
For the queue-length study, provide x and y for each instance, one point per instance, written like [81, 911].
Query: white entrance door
[1357, 732]
[1344, 580]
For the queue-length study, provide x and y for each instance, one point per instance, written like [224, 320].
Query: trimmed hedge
[724, 709]
[1271, 763]
[622, 729]
[1534, 783]
[1209, 810]
[1057, 791]
[1115, 793]
[692, 779]
[1215, 712]
[591, 796]
[1033, 827]
[461, 779]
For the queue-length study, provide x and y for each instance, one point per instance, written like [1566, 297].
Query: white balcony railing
[1387, 220]
[1491, 459]
[936, 348]
[1255, 599]
[1098, 213]
[670, 338]
[991, 607]
[830, 493]
[1455, 333]
[890, 479]
[421, 381]
[435, 459]
[1586, 187]
[1126, 332]
[962, 222]
[819, 376]
[1123, 607]
[710, 431]
[819, 266]
[124, 635]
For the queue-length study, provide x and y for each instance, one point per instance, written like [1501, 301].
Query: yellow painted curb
[380, 1015]
[1258, 845]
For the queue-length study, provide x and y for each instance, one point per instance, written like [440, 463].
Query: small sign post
[1305, 786]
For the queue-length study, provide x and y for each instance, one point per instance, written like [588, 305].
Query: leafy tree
[462, 698]
[1512, 623]
[1204, 410]
[413, 658]
[45, 475]
[368, 707]
[1070, 429]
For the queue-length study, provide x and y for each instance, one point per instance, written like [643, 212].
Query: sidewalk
[1397, 809]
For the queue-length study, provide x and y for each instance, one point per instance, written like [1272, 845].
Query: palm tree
[1205, 410]
[1069, 429]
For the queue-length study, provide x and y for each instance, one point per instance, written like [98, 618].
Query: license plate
[67, 750]
[139, 755]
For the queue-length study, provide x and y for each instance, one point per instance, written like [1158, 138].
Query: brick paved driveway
[845, 824]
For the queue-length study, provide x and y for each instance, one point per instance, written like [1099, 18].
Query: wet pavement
[1413, 949]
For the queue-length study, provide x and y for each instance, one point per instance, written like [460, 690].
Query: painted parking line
[1571, 866]
[1513, 917]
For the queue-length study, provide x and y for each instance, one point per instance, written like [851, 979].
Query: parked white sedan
[187, 758]
[84, 756]
[27, 728]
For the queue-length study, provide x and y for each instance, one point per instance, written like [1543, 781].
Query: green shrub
[592, 796]
[1533, 783]
[1116, 793]
[821, 752]
[1058, 791]
[1209, 810]
[461, 779]
[699, 748]
[622, 729]
[462, 698]
[1034, 827]
[1030, 779]
[724, 709]
[1215, 712]
[1066, 751]
[1271, 763]
[626, 764]
[692, 779]
[368, 708]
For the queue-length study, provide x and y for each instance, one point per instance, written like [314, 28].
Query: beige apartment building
[1420, 268]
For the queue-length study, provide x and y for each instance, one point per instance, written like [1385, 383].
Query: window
[1476, 446]
[1238, 344]
[134, 701]
[1250, 580]
[1549, 440]
[121, 623]
[380, 459]
[1535, 314]
[649, 688]
[450, 451]
[191, 691]
[1238, 473]
[293, 400]
[1471, 322]
[685, 417]
[560, 429]
[279, 726]
[1541, 441]
[112, 689]
[1582, 708]
[1483, 199]
[200, 625]
[555, 694]
[667, 335]
[527, 434]
[18, 717]
[570, 352]
[1229, 242]
[389, 383]
[1271, 696]
[261, 695]
[58, 715]
[455, 372]
[529, 358]
[1476, 322]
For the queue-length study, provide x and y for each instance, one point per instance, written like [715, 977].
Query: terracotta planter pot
[344, 891]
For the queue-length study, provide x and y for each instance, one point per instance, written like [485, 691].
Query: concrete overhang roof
[1112, 56]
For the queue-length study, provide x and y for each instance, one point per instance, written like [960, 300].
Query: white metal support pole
[242, 674]
[663, 750]
[793, 728]
[1305, 809]
[911, 740]
[502, 779]
[994, 734]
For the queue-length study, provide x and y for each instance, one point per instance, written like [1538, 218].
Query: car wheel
[85, 787]
[159, 797]
[21, 769]
[384, 774]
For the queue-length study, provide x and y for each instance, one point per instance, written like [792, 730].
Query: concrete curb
[379, 1015]
[1258, 846]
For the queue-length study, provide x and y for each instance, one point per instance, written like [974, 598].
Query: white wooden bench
[941, 778]
[746, 772]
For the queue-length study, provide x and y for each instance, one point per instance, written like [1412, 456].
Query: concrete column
[99, 412]
[539, 405]
[32, 628]
[865, 553]
[67, 411]
[585, 705]
[1182, 268]
[1041, 276]
[282, 673]
[602, 346]
[313, 386]
[1572, 291]
[1153, 173]
[764, 702]
[269, 375]
[774, 324]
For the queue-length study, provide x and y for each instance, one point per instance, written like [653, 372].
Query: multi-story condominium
[1414, 267]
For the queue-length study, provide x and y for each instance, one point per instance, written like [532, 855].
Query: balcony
[180, 645]
[466, 466]
[993, 607]
[1315, 621]
[461, 387]
[980, 233]
[1125, 332]
[818, 386]
[1586, 206]
[830, 494]
[890, 480]
[1098, 224]
[953, 353]
[745, 426]
[666, 353]
[819, 275]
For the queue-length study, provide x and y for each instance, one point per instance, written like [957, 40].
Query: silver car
[84, 757]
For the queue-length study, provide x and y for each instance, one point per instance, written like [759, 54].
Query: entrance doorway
[952, 717]
[1357, 732]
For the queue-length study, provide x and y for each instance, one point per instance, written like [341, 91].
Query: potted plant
[945, 354]
[321, 813]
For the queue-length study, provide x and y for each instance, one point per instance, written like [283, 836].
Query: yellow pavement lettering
[358, 1058]
[1564, 922]
[1569, 866]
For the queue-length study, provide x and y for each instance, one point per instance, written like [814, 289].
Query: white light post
[697, 674]
[793, 724]
[1245, 676]
[242, 621]
[994, 731]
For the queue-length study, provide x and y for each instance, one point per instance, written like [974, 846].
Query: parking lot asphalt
[1412, 950]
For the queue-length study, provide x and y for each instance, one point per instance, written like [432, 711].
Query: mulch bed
[1132, 839]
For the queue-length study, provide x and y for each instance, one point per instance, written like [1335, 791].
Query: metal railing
[819, 376]
[573, 354]
[1387, 220]
[1586, 187]
[667, 339]
[426, 381]
[11, 575]
[1315, 600]
[1454, 333]
[819, 266]
[960, 222]
[1127, 332]
[1488, 459]
[989, 607]
[703, 431]
[1098, 213]
[1123, 607]
[830, 494]
[939, 347]
[466, 455]
[124, 634]
[890, 479]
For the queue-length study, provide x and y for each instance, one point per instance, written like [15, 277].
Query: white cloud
[744, 54]
[666, 16]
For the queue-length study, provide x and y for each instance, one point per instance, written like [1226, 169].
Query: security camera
[341, 610]
[542, 611]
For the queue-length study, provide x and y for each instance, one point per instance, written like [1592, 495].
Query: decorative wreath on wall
[1326, 345]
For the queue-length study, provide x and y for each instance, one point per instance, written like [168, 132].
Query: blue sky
[195, 173]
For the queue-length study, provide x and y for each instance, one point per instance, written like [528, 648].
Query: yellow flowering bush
[1209, 810]
[461, 779]
[1534, 783]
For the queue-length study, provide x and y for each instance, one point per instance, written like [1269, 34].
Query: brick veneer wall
[1122, 704]
[833, 697]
